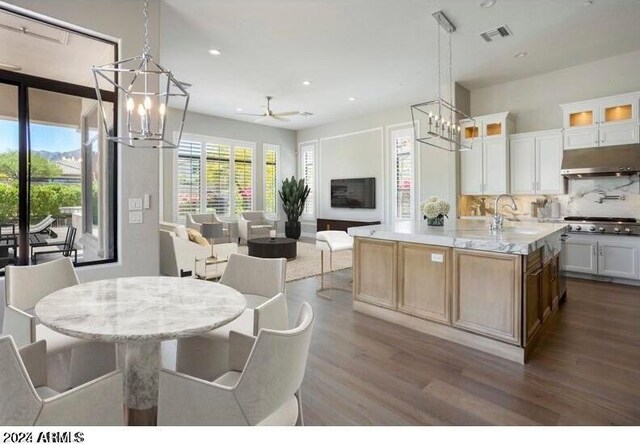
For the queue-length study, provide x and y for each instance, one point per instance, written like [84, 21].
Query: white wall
[206, 125]
[535, 100]
[138, 169]
[436, 169]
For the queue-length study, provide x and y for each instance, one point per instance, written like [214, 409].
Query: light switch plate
[135, 203]
[435, 257]
[146, 201]
[135, 217]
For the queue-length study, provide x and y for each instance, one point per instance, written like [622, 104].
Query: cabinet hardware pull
[537, 272]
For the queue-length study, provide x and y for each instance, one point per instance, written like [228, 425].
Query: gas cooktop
[603, 225]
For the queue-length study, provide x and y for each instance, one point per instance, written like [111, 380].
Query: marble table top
[137, 309]
[514, 238]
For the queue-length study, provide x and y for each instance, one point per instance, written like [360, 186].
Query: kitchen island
[489, 290]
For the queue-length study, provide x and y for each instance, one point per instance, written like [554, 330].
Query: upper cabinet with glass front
[602, 122]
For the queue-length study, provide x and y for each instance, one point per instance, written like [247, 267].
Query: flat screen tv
[353, 193]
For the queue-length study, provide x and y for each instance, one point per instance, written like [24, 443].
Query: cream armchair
[195, 221]
[252, 224]
[71, 361]
[178, 254]
[261, 388]
[27, 399]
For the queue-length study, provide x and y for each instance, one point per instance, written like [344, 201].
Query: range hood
[609, 161]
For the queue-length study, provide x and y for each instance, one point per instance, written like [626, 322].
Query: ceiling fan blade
[306, 113]
[286, 113]
[281, 119]
[250, 114]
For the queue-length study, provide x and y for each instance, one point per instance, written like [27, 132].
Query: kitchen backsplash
[583, 199]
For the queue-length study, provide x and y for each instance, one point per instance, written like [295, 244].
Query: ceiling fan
[269, 114]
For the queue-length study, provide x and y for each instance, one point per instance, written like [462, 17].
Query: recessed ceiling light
[587, 3]
[487, 3]
[238, 110]
[306, 82]
[352, 99]
[10, 66]
[215, 52]
[520, 55]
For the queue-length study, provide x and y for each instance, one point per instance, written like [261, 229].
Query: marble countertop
[514, 238]
[134, 309]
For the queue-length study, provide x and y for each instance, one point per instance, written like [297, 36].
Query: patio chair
[44, 226]
[66, 247]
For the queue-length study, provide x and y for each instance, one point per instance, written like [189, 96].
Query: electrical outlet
[135, 203]
[135, 217]
[435, 257]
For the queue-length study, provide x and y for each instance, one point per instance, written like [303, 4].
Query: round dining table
[140, 312]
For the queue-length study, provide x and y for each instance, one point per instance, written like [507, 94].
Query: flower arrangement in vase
[434, 210]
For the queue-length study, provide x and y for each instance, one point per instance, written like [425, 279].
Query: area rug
[307, 262]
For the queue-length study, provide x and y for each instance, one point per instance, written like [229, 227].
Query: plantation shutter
[243, 173]
[271, 180]
[403, 146]
[308, 174]
[188, 177]
[218, 173]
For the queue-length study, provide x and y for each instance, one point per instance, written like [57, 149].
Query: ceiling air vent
[496, 33]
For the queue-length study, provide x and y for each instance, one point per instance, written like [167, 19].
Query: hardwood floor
[365, 371]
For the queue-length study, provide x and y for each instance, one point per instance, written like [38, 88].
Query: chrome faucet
[498, 218]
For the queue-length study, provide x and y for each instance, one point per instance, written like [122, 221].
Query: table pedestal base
[141, 365]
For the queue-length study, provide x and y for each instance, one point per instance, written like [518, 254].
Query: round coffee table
[273, 248]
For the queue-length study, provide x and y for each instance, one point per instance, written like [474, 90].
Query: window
[243, 179]
[214, 176]
[403, 173]
[58, 172]
[189, 184]
[307, 171]
[271, 178]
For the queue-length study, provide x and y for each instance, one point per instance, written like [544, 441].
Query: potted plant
[434, 210]
[294, 194]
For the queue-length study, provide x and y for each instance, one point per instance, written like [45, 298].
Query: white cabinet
[617, 259]
[485, 169]
[612, 256]
[581, 254]
[601, 122]
[471, 169]
[495, 166]
[536, 160]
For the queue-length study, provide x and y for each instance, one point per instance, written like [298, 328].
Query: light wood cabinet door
[546, 291]
[375, 266]
[532, 302]
[487, 294]
[424, 277]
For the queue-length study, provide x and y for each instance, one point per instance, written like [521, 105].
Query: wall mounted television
[353, 193]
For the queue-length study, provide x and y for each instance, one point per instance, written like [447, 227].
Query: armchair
[178, 253]
[28, 400]
[262, 387]
[196, 220]
[254, 224]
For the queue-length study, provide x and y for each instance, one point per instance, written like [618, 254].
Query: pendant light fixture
[437, 122]
[151, 94]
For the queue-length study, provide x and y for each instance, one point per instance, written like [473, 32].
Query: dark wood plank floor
[585, 370]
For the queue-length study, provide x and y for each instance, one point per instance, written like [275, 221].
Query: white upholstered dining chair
[261, 387]
[71, 361]
[26, 399]
[262, 282]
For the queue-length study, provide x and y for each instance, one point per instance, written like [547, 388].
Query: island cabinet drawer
[424, 281]
[487, 294]
[376, 277]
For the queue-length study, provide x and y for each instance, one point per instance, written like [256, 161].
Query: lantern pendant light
[151, 94]
[437, 122]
